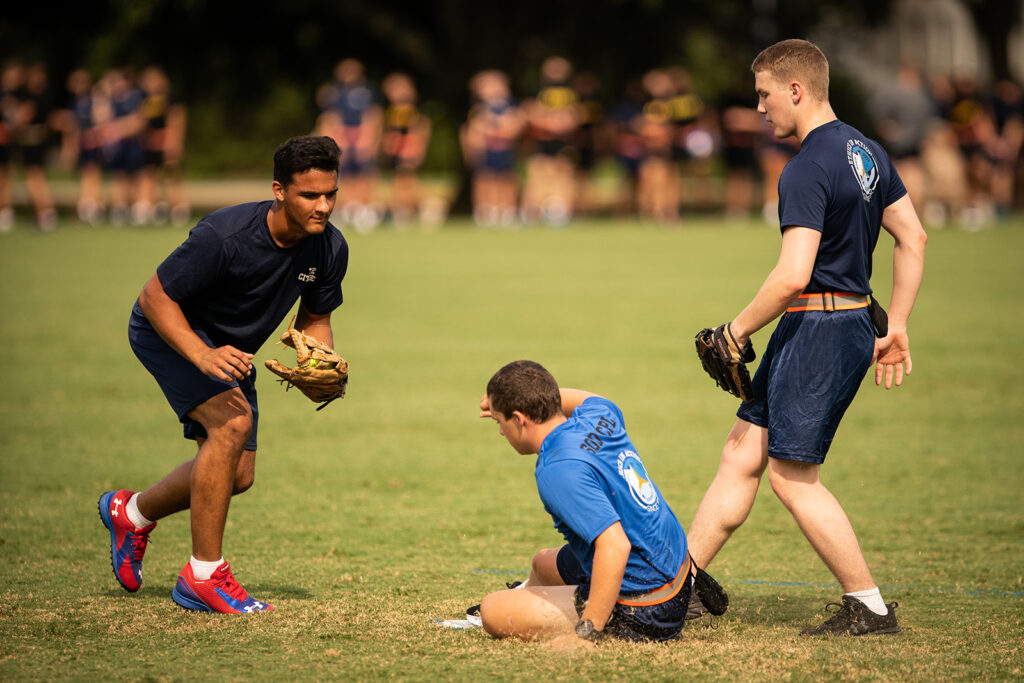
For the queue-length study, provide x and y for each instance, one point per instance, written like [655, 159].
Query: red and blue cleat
[127, 542]
[220, 593]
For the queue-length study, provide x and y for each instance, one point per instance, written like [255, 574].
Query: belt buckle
[828, 301]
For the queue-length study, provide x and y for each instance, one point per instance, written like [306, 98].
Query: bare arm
[314, 325]
[167, 318]
[611, 551]
[892, 353]
[572, 398]
[786, 281]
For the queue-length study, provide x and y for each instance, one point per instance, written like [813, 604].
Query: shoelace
[227, 582]
[139, 541]
[840, 611]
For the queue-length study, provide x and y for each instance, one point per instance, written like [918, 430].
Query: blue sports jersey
[351, 101]
[839, 184]
[235, 283]
[589, 477]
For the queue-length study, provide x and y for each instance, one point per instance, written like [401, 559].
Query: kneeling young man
[625, 570]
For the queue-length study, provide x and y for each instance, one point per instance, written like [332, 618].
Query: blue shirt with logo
[589, 476]
[236, 284]
[839, 184]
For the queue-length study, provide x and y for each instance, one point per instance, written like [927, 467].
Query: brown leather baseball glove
[319, 372]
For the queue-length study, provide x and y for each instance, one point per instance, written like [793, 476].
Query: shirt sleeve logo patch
[864, 168]
[308, 277]
[640, 485]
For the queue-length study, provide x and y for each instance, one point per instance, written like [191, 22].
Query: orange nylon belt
[659, 595]
[828, 301]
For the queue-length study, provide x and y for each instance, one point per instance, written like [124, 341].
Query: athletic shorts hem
[796, 457]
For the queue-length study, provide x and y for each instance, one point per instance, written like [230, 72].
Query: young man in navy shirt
[196, 326]
[834, 197]
[625, 570]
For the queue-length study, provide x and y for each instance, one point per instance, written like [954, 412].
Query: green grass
[398, 505]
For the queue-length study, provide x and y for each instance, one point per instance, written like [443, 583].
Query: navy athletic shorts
[636, 623]
[182, 383]
[809, 374]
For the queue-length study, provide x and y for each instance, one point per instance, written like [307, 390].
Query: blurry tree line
[248, 71]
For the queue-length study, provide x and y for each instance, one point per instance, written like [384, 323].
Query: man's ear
[796, 91]
[278, 190]
[520, 418]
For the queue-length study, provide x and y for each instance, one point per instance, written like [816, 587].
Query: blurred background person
[490, 138]
[588, 140]
[352, 116]
[1005, 145]
[404, 145]
[81, 146]
[33, 126]
[945, 170]
[628, 143]
[549, 187]
[11, 79]
[772, 156]
[902, 113]
[694, 139]
[164, 119]
[117, 107]
[658, 180]
[741, 127]
[974, 128]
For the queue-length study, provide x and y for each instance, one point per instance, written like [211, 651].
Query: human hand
[225, 363]
[892, 354]
[485, 406]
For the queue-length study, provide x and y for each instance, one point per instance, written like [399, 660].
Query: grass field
[398, 505]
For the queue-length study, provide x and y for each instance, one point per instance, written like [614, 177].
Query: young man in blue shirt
[196, 326]
[625, 570]
[835, 195]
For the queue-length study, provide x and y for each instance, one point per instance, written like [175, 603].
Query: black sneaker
[696, 608]
[711, 596]
[853, 617]
[473, 613]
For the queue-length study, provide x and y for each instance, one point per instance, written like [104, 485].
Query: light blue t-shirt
[589, 476]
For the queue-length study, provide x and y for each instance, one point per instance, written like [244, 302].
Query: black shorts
[184, 386]
[809, 373]
[663, 621]
[33, 155]
[152, 158]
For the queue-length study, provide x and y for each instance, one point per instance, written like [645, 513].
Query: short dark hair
[525, 386]
[796, 59]
[299, 154]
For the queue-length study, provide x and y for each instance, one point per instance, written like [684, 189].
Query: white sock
[873, 599]
[203, 570]
[134, 516]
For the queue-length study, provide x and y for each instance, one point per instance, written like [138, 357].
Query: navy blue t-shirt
[236, 284]
[589, 477]
[839, 184]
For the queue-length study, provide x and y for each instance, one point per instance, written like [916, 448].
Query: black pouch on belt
[879, 318]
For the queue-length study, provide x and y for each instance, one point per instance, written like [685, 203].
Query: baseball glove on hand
[319, 372]
[725, 361]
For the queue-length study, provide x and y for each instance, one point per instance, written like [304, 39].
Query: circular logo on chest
[640, 485]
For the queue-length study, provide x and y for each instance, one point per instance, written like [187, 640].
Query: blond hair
[796, 60]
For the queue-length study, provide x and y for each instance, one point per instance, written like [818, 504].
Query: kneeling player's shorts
[637, 623]
[182, 383]
[808, 376]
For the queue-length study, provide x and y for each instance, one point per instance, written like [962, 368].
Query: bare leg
[173, 493]
[731, 495]
[822, 520]
[529, 613]
[544, 569]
